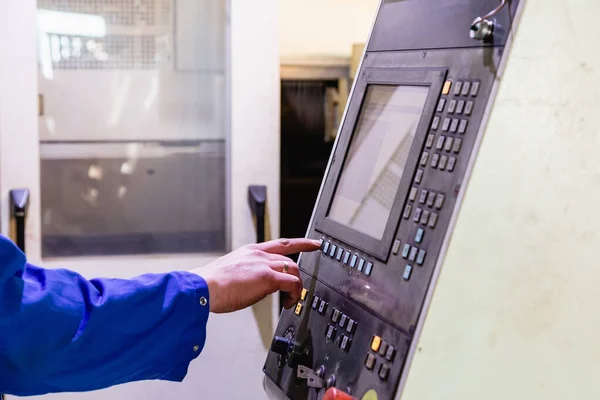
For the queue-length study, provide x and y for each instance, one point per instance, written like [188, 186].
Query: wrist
[213, 292]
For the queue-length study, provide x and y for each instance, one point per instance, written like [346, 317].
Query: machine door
[115, 119]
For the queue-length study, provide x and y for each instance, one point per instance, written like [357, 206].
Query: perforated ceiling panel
[137, 34]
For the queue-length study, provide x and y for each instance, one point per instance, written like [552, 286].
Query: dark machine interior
[304, 151]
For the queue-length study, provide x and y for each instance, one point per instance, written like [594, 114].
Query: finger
[290, 284]
[275, 257]
[280, 266]
[289, 246]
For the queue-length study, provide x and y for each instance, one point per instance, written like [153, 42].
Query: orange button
[303, 295]
[375, 343]
[298, 309]
[447, 87]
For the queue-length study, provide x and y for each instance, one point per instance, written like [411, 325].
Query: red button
[336, 394]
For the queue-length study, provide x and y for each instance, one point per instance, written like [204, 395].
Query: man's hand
[247, 275]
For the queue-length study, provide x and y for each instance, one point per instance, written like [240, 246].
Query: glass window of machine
[375, 162]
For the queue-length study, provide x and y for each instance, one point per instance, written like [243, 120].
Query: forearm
[60, 332]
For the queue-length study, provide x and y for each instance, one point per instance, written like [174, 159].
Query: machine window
[375, 162]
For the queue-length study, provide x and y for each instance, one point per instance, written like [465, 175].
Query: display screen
[377, 156]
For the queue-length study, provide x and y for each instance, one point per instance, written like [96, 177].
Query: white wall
[323, 28]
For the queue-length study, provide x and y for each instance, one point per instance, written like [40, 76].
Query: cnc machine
[425, 288]
[409, 135]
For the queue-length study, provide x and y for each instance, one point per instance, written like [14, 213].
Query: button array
[380, 349]
[347, 327]
[346, 257]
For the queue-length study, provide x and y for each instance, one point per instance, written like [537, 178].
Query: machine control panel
[383, 217]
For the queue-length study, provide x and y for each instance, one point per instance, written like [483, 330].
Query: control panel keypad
[386, 353]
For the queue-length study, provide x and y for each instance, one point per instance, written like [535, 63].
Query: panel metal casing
[387, 299]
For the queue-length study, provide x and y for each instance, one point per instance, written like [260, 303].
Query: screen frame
[434, 79]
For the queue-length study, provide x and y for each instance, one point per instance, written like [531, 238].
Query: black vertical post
[19, 201]
[257, 200]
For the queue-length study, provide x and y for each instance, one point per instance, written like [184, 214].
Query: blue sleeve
[62, 333]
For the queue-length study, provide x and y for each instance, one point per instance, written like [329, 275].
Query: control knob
[281, 346]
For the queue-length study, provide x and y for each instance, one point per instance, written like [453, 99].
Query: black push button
[343, 321]
[335, 316]
[339, 254]
[421, 257]
[361, 264]
[384, 372]
[369, 269]
[440, 142]
[390, 354]
[448, 144]
[430, 199]
[412, 256]
[457, 88]
[407, 272]
[439, 201]
[443, 162]
[419, 235]
[469, 108]
[425, 217]
[454, 125]
[406, 250]
[330, 332]
[413, 194]
[441, 105]
[383, 348]
[418, 213]
[396, 247]
[433, 220]
[315, 302]
[332, 251]
[452, 106]
[351, 327]
[475, 89]
[423, 196]
[451, 164]
[435, 160]
[345, 344]
[322, 307]
[466, 88]
[419, 176]
[462, 128]
[456, 145]
[370, 362]
[407, 211]
[429, 142]
[446, 125]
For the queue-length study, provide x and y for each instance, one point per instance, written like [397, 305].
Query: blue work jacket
[60, 332]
